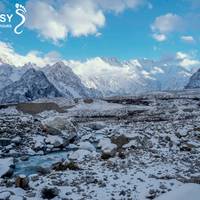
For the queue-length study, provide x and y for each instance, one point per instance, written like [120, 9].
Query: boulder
[49, 193]
[59, 124]
[5, 195]
[6, 167]
[22, 181]
[17, 140]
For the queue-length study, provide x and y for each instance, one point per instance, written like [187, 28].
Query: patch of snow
[86, 146]
[5, 164]
[79, 155]
[185, 192]
[106, 145]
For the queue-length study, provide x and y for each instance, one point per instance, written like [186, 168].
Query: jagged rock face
[194, 81]
[31, 86]
[66, 81]
[10, 74]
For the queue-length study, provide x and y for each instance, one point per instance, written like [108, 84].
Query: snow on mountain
[31, 86]
[114, 77]
[66, 81]
[75, 79]
[194, 81]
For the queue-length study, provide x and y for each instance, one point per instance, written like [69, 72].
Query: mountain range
[94, 78]
[114, 77]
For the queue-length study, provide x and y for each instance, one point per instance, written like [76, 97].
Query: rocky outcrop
[31, 86]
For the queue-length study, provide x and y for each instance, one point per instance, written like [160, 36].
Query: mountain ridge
[104, 77]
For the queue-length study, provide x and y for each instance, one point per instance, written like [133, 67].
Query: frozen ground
[121, 148]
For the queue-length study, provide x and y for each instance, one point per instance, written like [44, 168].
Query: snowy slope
[112, 76]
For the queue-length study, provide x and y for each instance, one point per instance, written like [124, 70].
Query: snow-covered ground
[130, 148]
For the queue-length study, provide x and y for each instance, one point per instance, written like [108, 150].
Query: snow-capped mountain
[31, 86]
[194, 81]
[114, 77]
[66, 81]
[75, 79]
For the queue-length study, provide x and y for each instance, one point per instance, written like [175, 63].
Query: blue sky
[130, 30]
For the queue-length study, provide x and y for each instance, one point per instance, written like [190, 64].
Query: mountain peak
[112, 61]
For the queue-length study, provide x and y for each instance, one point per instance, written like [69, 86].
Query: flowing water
[34, 162]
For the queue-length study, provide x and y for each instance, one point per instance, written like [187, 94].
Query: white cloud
[118, 5]
[9, 56]
[181, 55]
[187, 61]
[159, 37]
[188, 39]
[56, 19]
[98, 34]
[167, 23]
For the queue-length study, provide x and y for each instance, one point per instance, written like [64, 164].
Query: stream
[45, 161]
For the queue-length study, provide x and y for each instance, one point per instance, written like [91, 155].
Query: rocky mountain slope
[10, 74]
[61, 79]
[31, 86]
[194, 81]
[68, 83]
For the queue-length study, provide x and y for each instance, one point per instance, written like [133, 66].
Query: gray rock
[5, 142]
[49, 193]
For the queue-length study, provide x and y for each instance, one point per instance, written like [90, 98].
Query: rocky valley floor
[119, 148]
